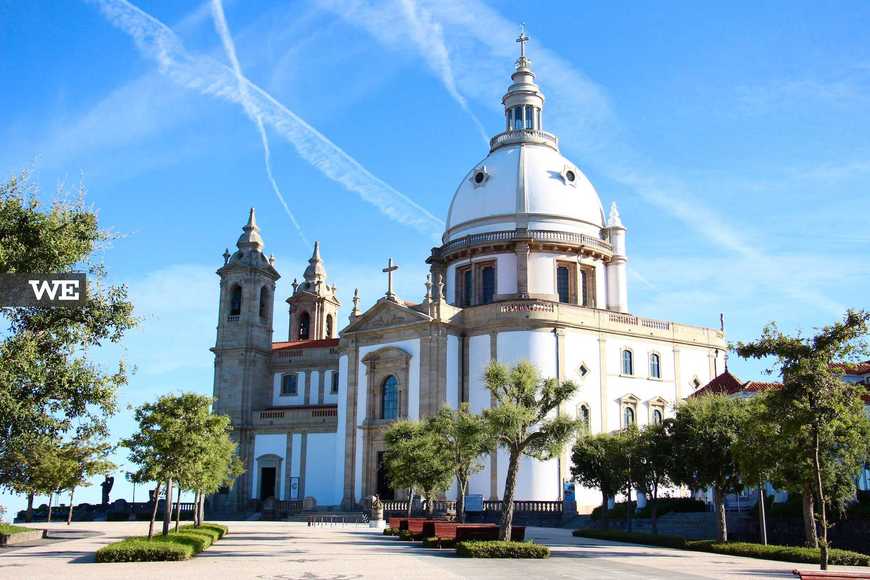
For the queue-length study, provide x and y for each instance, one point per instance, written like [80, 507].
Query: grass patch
[632, 537]
[499, 549]
[746, 549]
[181, 545]
[9, 529]
[836, 557]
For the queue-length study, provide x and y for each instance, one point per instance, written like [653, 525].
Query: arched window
[627, 362]
[657, 417]
[487, 284]
[390, 398]
[628, 417]
[585, 416]
[236, 300]
[329, 326]
[655, 367]
[264, 302]
[304, 326]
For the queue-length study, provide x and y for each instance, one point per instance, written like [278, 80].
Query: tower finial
[250, 238]
[523, 38]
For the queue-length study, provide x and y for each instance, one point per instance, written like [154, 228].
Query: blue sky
[734, 138]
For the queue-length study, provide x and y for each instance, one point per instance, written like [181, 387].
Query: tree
[758, 451]
[820, 414]
[653, 463]
[173, 443]
[466, 438]
[704, 436]
[594, 464]
[48, 388]
[415, 458]
[521, 422]
[87, 459]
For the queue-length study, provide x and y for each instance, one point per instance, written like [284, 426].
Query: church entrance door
[384, 490]
[267, 483]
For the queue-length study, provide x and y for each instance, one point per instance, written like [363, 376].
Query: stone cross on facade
[389, 270]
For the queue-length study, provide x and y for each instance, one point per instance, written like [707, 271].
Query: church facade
[529, 269]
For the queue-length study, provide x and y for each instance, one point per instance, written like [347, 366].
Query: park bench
[827, 574]
[396, 523]
[460, 532]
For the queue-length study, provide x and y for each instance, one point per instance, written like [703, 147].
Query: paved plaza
[290, 551]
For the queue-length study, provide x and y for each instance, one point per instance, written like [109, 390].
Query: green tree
[466, 438]
[705, 433]
[758, 451]
[416, 458]
[821, 415]
[48, 387]
[653, 463]
[88, 458]
[594, 463]
[521, 421]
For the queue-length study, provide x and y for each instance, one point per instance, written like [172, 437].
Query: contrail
[429, 37]
[157, 42]
[223, 30]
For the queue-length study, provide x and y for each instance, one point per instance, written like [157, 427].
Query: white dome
[528, 185]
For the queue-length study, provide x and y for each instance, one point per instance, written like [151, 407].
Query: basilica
[530, 268]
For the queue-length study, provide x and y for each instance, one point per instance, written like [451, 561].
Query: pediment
[386, 314]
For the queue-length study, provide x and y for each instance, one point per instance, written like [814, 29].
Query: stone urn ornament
[376, 514]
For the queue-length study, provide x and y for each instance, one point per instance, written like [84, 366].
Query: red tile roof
[296, 344]
[728, 384]
[724, 384]
[861, 368]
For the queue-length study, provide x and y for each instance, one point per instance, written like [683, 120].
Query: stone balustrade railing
[524, 136]
[533, 235]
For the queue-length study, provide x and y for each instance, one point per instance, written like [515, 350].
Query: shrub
[142, 550]
[438, 543]
[117, 517]
[783, 553]
[666, 505]
[9, 529]
[220, 529]
[499, 549]
[632, 537]
[615, 513]
[405, 536]
[390, 532]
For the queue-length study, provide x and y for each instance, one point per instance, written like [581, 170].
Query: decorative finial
[614, 219]
[250, 238]
[295, 285]
[354, 314]
[523, 39]
[389, 271]
[271, 259]
[441, 287]
[428, 288]
[227, 256]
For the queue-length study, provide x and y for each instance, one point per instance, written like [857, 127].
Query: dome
[524, 185]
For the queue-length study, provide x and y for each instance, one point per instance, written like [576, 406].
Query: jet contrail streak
[223, 30]
[157, 41]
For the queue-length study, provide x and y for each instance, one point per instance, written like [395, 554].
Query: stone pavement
[291, 551]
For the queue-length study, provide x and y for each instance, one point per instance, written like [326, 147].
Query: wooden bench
[460, 532]
[396, 523]
[828, 574]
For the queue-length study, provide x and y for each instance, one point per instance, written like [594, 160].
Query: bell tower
[313, 304]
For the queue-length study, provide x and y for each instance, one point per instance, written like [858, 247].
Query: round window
[479, 177]
[569, 175]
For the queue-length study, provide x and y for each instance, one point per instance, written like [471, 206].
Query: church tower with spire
[314, 304]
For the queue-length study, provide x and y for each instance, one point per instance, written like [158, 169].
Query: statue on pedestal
[107, 487]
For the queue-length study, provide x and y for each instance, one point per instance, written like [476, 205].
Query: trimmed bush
[836, 557]
[665, 505]
[632, 537]
[499, 549]
[391, 532]
[142, 550]
[9, 529]
[438, 543]
[405, 535]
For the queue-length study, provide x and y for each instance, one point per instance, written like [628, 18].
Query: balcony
[590, 243]
[312, 418]
[524, 136]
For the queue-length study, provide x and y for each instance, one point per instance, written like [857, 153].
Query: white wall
[478, 399]
[279, 400]
[320, 469]
[295, 460]
[505, 274]
[452, 371]
[328, 397]
[314, 385]
[341, 431]
[266, 444]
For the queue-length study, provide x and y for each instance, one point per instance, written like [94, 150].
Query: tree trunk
[201, 508]
[507, 502]
[762, 514]
[72, 492]
[154, 511]
[196, 509]
[167, 508]
[605, 519]
[811, 539]
[28, 517]
[462, 485]
[654, 508]
[721, 521]
[628, 510]
[178, 507]
[50, 497]
[817, 466]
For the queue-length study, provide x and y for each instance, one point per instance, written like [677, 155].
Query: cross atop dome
[523, 38]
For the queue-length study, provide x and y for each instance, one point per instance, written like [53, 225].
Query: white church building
[529, 269]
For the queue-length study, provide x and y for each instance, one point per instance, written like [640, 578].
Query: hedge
[181, 545]
[391, 532]
[9, 529]
[632, 537]
[665, 505]
[500, 549]
[406, 536]
[434, 542]
[836, 557]
[746, 549]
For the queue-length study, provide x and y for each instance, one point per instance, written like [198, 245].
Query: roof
[297, 344]
[860, 368]
[728, 384]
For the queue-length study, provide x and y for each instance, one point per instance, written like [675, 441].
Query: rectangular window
[518, 117]
[464, 286]
[290, 385]
[333, 388]
[566, 274]
[486, 282]
[530, 119]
